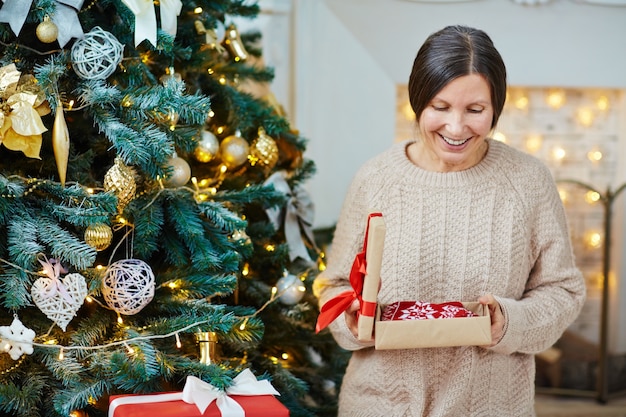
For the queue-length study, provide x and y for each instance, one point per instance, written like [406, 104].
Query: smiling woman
[467, 219]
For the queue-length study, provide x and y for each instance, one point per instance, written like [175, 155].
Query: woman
[467, 218]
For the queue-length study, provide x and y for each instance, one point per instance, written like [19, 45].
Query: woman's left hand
[497, 318]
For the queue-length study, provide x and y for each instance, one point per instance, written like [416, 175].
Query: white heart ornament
[60, 299]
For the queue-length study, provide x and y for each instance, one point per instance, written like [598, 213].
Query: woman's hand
[497, 318]
[351, 317]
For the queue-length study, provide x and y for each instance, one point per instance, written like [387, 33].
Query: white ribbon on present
[202, 394]
[145, 18]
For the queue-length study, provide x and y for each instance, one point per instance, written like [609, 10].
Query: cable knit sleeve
[347, 242]
[555, 291]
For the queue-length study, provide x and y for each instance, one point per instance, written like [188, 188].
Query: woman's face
[455, 124]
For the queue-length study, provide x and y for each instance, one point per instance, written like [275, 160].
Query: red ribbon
[340, 303]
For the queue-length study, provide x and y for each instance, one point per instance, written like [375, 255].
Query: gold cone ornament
[120, 180]
[207, 342]
[61, 143]
[232, 42]
[263, 150]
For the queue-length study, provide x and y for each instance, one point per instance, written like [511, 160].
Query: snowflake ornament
[16, 339]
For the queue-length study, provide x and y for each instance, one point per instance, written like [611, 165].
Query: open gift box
[402, 334]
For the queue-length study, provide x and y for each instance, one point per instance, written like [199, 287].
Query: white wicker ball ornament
[128, 286]
[96, 55]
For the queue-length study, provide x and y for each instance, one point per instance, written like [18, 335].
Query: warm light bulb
[245, 270]
[533, 142]
[119, 319]
[564, 195]
[61, 356]
[592, 197]
[270, 248]
[594, 155]
[285, 356]
[197, 10]
[521, 103]
[593, 239]
[602, 103]
[178, 344]
[500, 137]
[558, 153]
[585, 116]
[556, 98]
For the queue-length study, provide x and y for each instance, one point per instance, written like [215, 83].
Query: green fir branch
[64, 246]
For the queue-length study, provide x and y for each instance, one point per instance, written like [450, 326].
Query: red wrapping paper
[417, 310]
[254, 406]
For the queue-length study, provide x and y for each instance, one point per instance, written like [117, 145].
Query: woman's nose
[455, 124]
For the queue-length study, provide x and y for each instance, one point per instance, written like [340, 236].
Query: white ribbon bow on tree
[14, 12]
[145, 18]
[202, 394]
[297, 215]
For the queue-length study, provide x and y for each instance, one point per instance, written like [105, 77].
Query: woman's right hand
[351, 317]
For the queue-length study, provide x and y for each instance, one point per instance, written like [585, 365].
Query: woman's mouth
[453, 142]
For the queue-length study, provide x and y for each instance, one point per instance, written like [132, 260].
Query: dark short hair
[452, 52]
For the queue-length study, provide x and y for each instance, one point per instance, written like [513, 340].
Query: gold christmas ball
[181, 172]
[120, 180]
[234, 151]
[98, 236]
[208, 147]
[47, 31]
[264, 150]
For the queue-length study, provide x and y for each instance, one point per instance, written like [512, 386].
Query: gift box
[472, 330]
[435, 332]
[247, 397]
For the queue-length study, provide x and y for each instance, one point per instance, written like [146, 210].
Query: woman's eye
[440, 108]
[475, 111]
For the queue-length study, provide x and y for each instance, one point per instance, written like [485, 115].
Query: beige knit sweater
[498, 227]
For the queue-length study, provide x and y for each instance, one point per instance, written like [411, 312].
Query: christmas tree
[153, 223]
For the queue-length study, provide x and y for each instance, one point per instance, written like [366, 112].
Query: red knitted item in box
[418, 310]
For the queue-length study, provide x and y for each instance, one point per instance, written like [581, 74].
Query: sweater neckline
[447, 179]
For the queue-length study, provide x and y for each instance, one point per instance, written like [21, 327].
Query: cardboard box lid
[374, 244]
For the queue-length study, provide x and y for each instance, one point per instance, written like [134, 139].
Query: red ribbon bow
[340, 303]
